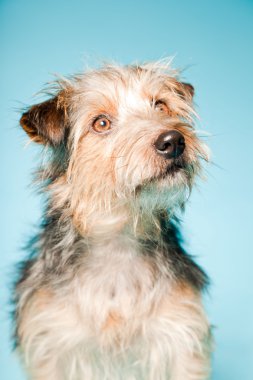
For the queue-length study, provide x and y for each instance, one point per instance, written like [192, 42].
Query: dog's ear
[186, 91]
[189, 89]
[47, 122]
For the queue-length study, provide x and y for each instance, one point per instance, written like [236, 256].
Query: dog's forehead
[126, 89]
[132, 97]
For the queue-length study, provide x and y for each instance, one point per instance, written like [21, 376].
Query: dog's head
[119, 135]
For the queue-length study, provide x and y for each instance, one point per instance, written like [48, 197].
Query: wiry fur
[109, 292]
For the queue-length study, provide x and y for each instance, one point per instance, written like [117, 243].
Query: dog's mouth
[179, 171]
[173, 168]
[170, 183]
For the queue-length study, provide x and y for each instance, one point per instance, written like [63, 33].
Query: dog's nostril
[164, 146]
[170, 144]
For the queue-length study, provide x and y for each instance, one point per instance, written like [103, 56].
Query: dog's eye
[161, 106]
[101, 124]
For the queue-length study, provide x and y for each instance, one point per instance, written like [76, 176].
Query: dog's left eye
[101, 124]
[161, 106]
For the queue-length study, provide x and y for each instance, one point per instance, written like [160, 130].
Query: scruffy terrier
[108, 291]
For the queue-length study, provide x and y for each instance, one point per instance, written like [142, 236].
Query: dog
[108, 291]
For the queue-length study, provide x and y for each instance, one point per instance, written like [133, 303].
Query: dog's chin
[173, 170]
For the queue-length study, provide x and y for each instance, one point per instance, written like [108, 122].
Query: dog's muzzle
[170, 144]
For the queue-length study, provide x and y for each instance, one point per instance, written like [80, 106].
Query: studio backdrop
[211, 42]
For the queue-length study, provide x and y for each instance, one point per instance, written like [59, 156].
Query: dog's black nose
[170, 144]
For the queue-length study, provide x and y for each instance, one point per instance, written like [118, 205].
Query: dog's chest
[118, 283]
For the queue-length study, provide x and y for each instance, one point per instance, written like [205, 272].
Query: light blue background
[215, 39]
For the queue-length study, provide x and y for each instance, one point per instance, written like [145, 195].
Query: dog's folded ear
[186, 90]
[47, 122]
[189, 89]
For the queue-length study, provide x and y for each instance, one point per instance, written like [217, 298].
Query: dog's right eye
[161, 106]
[101, 124]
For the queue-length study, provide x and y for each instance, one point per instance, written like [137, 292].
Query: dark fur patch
[181, 264]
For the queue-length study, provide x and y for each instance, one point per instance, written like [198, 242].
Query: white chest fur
[117, 279]
[119, 318]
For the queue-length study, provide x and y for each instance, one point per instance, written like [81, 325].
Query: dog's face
[126, 131]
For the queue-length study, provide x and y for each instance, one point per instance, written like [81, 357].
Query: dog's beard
[166, 193]
[169, 189]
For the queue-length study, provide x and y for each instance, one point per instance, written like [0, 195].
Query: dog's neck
[138, 217]
[135, 223]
